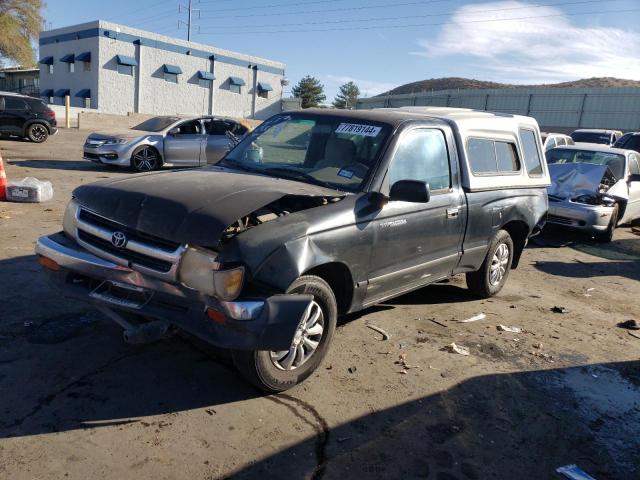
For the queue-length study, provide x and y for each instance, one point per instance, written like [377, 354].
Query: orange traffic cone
[3, 181]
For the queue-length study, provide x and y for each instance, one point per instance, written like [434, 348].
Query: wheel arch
[339, 278]
[145, 144]
[35, 121]
[518, 230]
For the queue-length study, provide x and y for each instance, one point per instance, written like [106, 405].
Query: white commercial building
[116, 69]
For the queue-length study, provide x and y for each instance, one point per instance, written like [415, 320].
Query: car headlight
[115, 141]
[69, 221]
[201, 271]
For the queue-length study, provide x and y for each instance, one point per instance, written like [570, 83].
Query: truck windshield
[155, 124]
[335, 152]
[614, 161]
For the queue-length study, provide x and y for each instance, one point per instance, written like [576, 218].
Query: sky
[380, 44]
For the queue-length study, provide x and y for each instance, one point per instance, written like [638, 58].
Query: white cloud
[367, 87]
[536, 49]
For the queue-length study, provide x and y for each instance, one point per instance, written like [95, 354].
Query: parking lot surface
[77, 402]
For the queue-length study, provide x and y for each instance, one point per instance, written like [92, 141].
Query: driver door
[416, 243]
[633, 204]
[183, 145]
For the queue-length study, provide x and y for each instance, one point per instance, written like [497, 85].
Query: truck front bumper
[246, 323]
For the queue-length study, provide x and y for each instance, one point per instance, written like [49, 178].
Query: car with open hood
[315, 214]
[594, 188]
[166, 141]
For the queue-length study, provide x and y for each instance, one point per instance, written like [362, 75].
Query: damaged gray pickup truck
[313, 215]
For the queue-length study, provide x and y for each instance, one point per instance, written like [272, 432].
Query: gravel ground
[78, 403]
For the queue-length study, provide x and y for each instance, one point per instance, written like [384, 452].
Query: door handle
[453, 212]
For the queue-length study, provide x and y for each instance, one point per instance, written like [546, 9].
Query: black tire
[259, 368]
[37, 132]
[607, 235]
[145, 159]
[481, 283]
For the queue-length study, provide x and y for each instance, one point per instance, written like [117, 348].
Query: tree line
[311, 94]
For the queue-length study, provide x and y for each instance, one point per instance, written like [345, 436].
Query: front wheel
[492, 276]
[276, 371]
[37, 133]
[145, 159]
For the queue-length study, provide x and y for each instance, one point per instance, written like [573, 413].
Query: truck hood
[569, 180]
[189, 206]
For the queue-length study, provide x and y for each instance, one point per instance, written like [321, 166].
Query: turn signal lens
[46, 262]
[228, 283]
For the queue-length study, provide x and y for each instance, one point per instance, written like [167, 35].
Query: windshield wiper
[296, 174]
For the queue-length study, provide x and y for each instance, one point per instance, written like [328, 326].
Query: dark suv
[26, 117]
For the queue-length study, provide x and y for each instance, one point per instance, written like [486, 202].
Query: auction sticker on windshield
[356, 129]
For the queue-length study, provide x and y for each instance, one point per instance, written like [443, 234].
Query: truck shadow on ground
[521, 425]
[78, 165]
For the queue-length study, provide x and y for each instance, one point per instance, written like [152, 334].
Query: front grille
[561, 220]
[130, 256]
[149, 240]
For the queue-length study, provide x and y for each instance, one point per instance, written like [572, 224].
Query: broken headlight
[69, 221]
[200, 270]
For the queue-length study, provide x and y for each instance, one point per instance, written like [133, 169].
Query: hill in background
[456, 83]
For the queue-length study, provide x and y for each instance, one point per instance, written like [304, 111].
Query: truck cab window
[422, 155]
[531, 153]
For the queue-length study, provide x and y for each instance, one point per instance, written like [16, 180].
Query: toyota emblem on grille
[119, 239]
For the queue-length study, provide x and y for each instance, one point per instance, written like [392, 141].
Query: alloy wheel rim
[38, 132]
[145, 160]
[305, 340]
[499, 264]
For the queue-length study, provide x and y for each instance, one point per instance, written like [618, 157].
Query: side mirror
[174, 131]
[410, 191]
[634, 177]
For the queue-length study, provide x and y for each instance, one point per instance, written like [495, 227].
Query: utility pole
[189, 24]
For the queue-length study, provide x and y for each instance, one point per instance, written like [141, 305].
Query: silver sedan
[165, 141]
[593, 188]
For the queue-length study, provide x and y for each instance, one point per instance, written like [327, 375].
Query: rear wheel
[492, 276]
[37, 133]
[276, 371]
[607, 235]
[145, 159]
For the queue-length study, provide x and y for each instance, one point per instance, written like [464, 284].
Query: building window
[264, 89]
[51, 69]
[125, 69]
[235, 88]
[50, 99]
[204, 83]
[72, 67]
[263, 94]
[87, 102]
[171, 77]
[86, 66]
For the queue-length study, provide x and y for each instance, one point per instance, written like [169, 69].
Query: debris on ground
[211, 411]
[557, 309]
[352, 369]
[453, 348]
[328, 367]
[504, 328]
[633, 334]
[437, 322]
[574, 473]
[538, 346]
[402, 361]
[385, 335]
[475, 318]
[629, 325]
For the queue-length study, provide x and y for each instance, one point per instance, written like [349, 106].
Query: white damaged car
[594, 188]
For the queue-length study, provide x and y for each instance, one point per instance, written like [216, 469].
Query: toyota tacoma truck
[313, 215]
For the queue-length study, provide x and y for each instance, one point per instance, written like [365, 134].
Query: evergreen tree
[310, 91]
[347, 97]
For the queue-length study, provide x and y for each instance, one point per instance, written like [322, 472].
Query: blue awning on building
[204, 75]
[236, 81]
[124, 60]
[63, 92]
[264, 87]
[176, 70]
[84, 57]
[68, 58]
[47, 93]
[84, 93]
[46, 61]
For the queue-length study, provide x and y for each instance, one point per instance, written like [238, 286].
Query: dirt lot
[76, 402]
